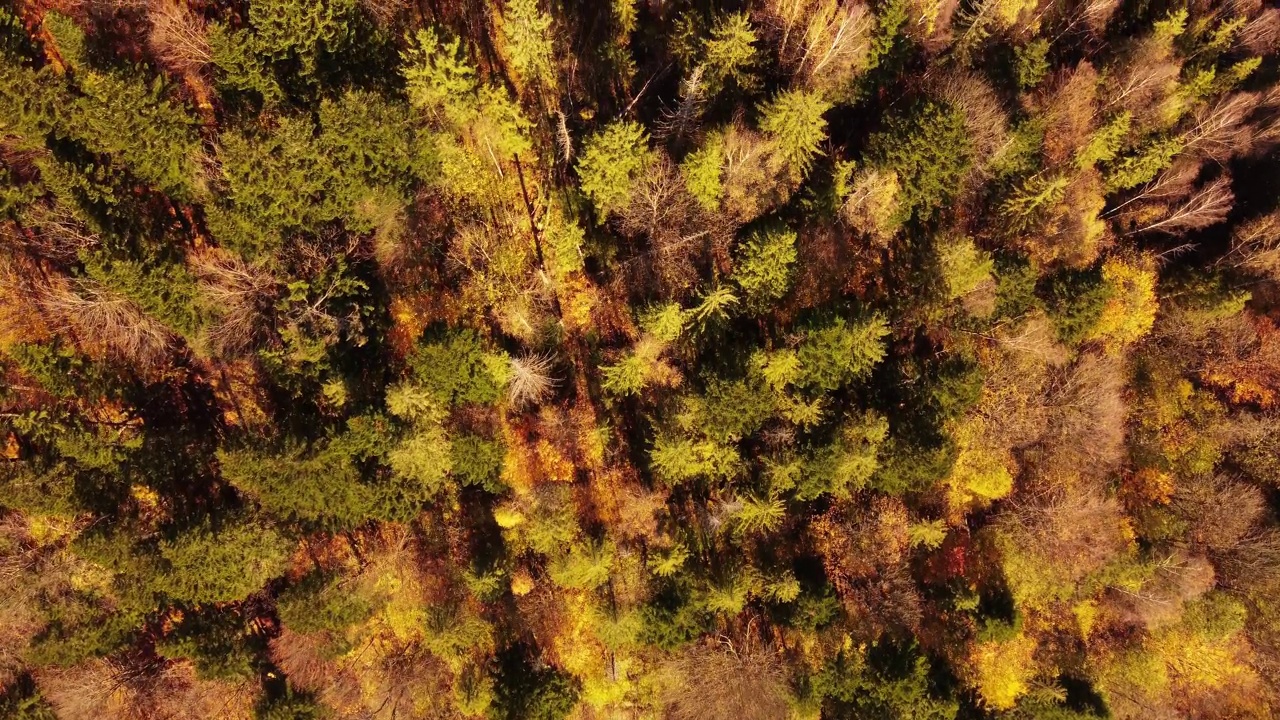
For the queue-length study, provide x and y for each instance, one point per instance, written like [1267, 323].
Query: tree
[219, 563]
[723, 681]
[455, 369]
[612, 161]
[824, 43]
[839, 352]
[794, 120]
[729, 55]
[527, 32]
[927, 148]
[765, 267]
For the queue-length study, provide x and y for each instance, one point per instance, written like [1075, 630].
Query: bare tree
[1219, 131]
[1171, 185]
[679, 233]
[872, 204]
[563, 140]
[679, 123]
[106, 320]
[531, 380]
[984, 118]
[1207, 206]
[1062, 532]
[823, 43]
[1261, 35]
[239, 295]
[178, 37]
[1255, 246]
[54, 232]
[1087, 416]
[1097, 13]
[1069, 102]
[1175, 579]
[727, 681]
[310, 665]
[1222, 512]
[387, 12]
[1143, 79]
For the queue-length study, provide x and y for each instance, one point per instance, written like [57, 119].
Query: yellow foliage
[577, 647]
[980, 474]
[12, 449]
[507, 517]
[1131, 310]
[553, 463]
[1010, 10]
[1003, 670]
[577, 301]
[521, 583]
[1086, 613]
[403, 614]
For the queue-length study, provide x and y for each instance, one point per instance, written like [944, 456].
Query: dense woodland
[639, 359]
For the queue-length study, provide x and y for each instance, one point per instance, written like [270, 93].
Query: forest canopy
[664, 360]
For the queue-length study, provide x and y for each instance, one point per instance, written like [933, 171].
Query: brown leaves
[723, 681]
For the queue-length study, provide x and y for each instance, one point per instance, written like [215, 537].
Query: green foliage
[318, 604]
[1216, 616]
[79, 629]
[1142, 166]
[132, 122]
[729, 593]
[292, 180]
[302, 37]
[628, 376]
[1075, 300]
[765, 267]
[668, 562]
[1028, 202]
[702, 172]
[478, 462]
[759, 515]
[612, 160]
[929, 534]
[20, 701]
[525, 693]
[421, 461]
[585, 566]
[729, 54]
[928, 148]
[846, 464]
[221, 563]
[964, 266]
[318, 486]
[166, 292]
[782, 406]
[453, 366]
[794, 120]
[1030, 64]
[891, 683]
[217, 643]
[290, 706]
[438, 77]
[838, 352]
[678, 459]
[732, 410]
[67, 37]
[528, 37]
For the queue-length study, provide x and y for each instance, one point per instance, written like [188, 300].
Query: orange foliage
[1251, 377]
[1145, 487]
